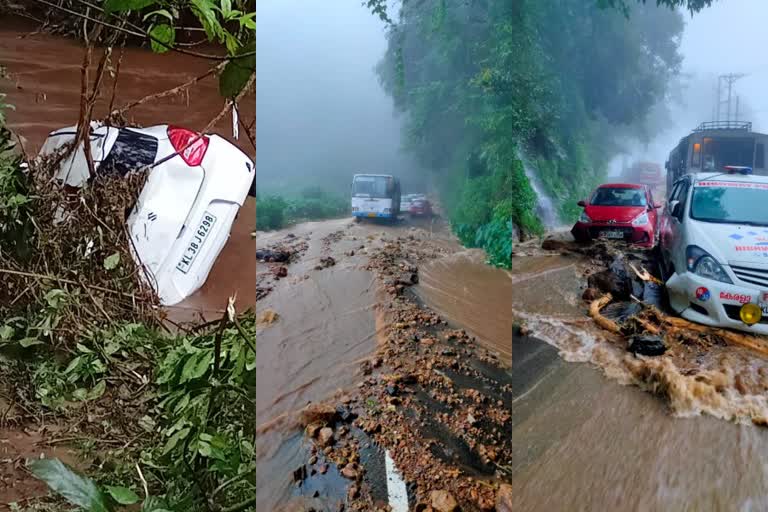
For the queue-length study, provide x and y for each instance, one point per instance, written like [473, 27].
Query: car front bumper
[713, 303]
[640, 235]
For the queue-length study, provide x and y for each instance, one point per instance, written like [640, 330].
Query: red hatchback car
[621, 211]
[420, 208]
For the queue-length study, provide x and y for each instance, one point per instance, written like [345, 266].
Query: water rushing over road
[587, 441]
[43, 84]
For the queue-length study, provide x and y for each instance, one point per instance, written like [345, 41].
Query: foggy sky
[731, 36]
[321, 113]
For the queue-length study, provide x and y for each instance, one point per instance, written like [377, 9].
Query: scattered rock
[647, 345]
[325, 437]
[345, 414]
[504, 498]
[443, 501]
[550, 244]
[350, 472]
[267, 317]
[353, 492]
[590, 294]
[280, 271]
[270, 255]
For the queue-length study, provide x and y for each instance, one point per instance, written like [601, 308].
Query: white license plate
[198, 239]
[612, 234]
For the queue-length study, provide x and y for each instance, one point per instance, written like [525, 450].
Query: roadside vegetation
[497, 92]
[158, 419]
[313, 203]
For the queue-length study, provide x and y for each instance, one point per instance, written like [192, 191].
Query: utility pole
[737, 108]
[727, 80]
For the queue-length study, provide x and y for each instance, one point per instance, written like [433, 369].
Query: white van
[714, 248]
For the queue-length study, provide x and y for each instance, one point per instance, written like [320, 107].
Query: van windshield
[730, 202]
[371, 186]
[618, 196]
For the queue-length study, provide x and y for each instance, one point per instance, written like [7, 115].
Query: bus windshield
[719, 152]
[372, 186]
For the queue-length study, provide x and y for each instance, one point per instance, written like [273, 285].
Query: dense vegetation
[493, 87]
[313, 203]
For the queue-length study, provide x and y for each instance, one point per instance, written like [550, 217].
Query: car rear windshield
[618, 196]
[733, 203]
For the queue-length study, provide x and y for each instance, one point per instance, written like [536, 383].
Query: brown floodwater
[43, 85]
[473, 295]
[592, 432]
[326, 325]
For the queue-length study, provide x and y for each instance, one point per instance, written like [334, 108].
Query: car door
[665, 228]
[676, 226]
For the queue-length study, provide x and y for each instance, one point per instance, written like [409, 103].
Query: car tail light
[190, 145]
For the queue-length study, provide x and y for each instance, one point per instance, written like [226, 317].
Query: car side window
[682, 196]
[675, 190]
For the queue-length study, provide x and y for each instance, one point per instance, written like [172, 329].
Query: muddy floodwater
[473, 295]
[43, 84]
[586, 437]
[319, 324]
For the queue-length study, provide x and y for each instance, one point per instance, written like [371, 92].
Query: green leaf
[112, 261]
[76, 489]
[160, 12]
[237, 72]
[174, 440]
[80, 394]
[196, 366]
[248, 21]
[30, 342]
[111, 6]
[7, 332]
[97, 391]
[123, 495]
[163, 37]
[73, 364]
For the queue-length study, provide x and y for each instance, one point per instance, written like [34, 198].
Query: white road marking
[398, 494]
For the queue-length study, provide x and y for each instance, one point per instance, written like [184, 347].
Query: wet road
[328, 323]
[585, 440]
[43, 84]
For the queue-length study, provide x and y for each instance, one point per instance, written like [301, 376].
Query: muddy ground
[353, 363]
[628, 429]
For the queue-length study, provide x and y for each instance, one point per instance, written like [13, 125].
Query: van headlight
[584, 218]
[641, 220]
[701, 263]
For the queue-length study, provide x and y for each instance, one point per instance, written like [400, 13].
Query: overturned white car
[714, 246]
[183, 216]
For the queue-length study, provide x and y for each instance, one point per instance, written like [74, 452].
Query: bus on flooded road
[375, 196]
[715, 145]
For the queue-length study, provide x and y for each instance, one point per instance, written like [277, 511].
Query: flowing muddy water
[585, 442]
[43, 84]
[473, 295]
[327, 323]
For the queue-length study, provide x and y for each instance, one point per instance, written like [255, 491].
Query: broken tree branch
[594, 312]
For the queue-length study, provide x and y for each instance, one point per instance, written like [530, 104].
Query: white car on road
[714, 248]
[183, 216]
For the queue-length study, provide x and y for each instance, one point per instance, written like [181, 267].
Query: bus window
[696, 160]
[760, 156]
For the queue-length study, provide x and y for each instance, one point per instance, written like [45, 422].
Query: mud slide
[594, 433]
[43, 84]
[325, 322]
